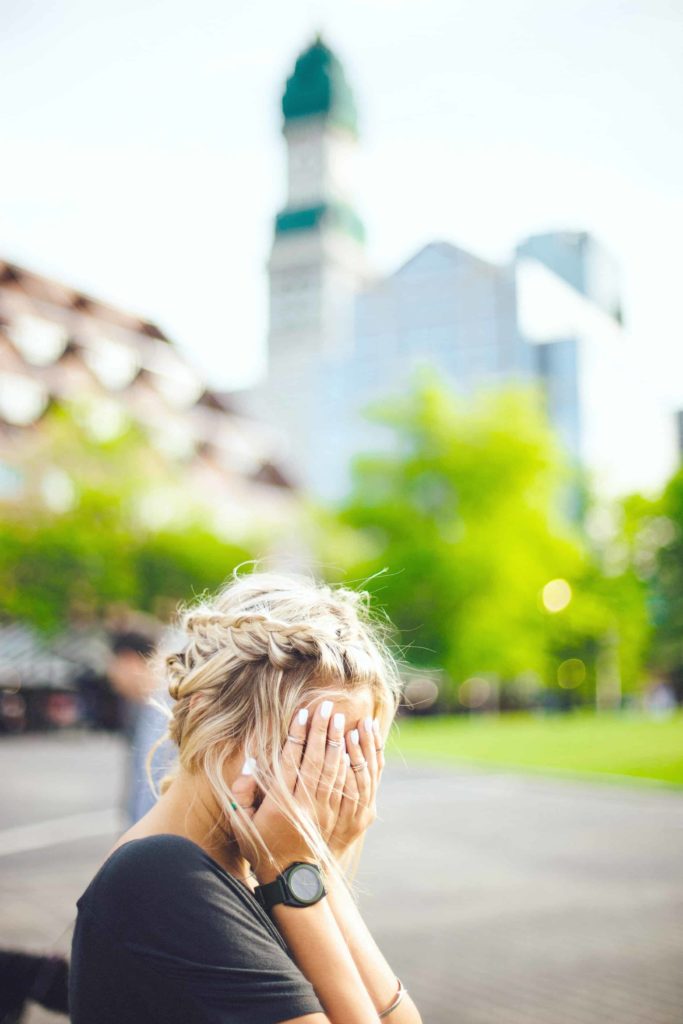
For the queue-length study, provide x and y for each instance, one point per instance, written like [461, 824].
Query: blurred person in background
[13, 712]
[132, 678]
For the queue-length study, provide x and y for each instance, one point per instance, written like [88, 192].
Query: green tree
[471, 515]
[656, 552]
[668, 610]
[99, 546]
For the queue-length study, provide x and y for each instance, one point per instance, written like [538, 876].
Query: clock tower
[317, 263]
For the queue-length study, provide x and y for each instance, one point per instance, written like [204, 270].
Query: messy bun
[264, 645]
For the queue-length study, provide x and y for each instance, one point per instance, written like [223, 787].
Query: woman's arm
[318, 947]
[312, 933]
[335, 950]
[357, 811]
[377, 976]
[329, 940]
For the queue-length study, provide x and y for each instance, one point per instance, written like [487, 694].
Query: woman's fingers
[350, 794]
[292, 751]
[379, 744]
[318, 775]
[346, 806]
[314, 754]
[332, 756]
[338, 787]
[362, 773]
[367, 743]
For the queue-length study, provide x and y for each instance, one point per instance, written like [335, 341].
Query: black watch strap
[270, 893]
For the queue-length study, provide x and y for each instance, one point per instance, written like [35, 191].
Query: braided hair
[265, 644]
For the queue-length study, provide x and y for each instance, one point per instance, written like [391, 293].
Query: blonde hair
[266, 644]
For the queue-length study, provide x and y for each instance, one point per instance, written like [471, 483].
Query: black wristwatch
[299, 885]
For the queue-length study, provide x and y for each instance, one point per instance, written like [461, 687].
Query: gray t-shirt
[164, 934]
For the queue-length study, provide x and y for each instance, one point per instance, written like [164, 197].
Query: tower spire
[317, 263]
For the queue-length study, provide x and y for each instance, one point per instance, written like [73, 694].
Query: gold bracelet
[399, 996]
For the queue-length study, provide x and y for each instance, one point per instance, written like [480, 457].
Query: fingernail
[326, 709]
[367, 722]
[354, 735]
[248, 767]
[339, 720]
[303, 716]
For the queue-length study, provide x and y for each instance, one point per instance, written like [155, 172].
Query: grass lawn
[607, 744]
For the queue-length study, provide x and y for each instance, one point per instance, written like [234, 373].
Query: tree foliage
[668, 536]
[470, 515]
[107, 543]
[655, 534]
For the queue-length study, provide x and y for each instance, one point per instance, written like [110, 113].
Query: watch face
[305, 883]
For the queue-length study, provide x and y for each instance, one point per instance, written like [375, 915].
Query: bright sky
[142, 161]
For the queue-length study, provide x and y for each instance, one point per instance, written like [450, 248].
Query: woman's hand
[358, 808]
[314, 776]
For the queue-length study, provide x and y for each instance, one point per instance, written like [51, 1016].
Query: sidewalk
[497, 899]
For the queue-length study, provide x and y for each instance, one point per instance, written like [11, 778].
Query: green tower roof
[318, 86]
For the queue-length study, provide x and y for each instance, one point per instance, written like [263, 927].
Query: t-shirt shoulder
[164, 888]
[178, 917]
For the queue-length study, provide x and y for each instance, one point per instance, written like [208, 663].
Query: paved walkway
[498, 899]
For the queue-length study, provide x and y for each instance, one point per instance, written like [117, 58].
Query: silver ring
[360, 766]
[335, 743]
[295, 739]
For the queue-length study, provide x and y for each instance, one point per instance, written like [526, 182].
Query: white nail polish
[303, 716]
[354, 735]
[247, 766]
[326, 708]
[338, 720]
[367, 723]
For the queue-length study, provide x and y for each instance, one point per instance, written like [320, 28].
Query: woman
[227, 902]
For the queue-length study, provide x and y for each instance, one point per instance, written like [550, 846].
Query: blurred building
[341, 337]
[60, 347]
[445, 308]
[317, 265]
[579, 260]
[38, 685]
